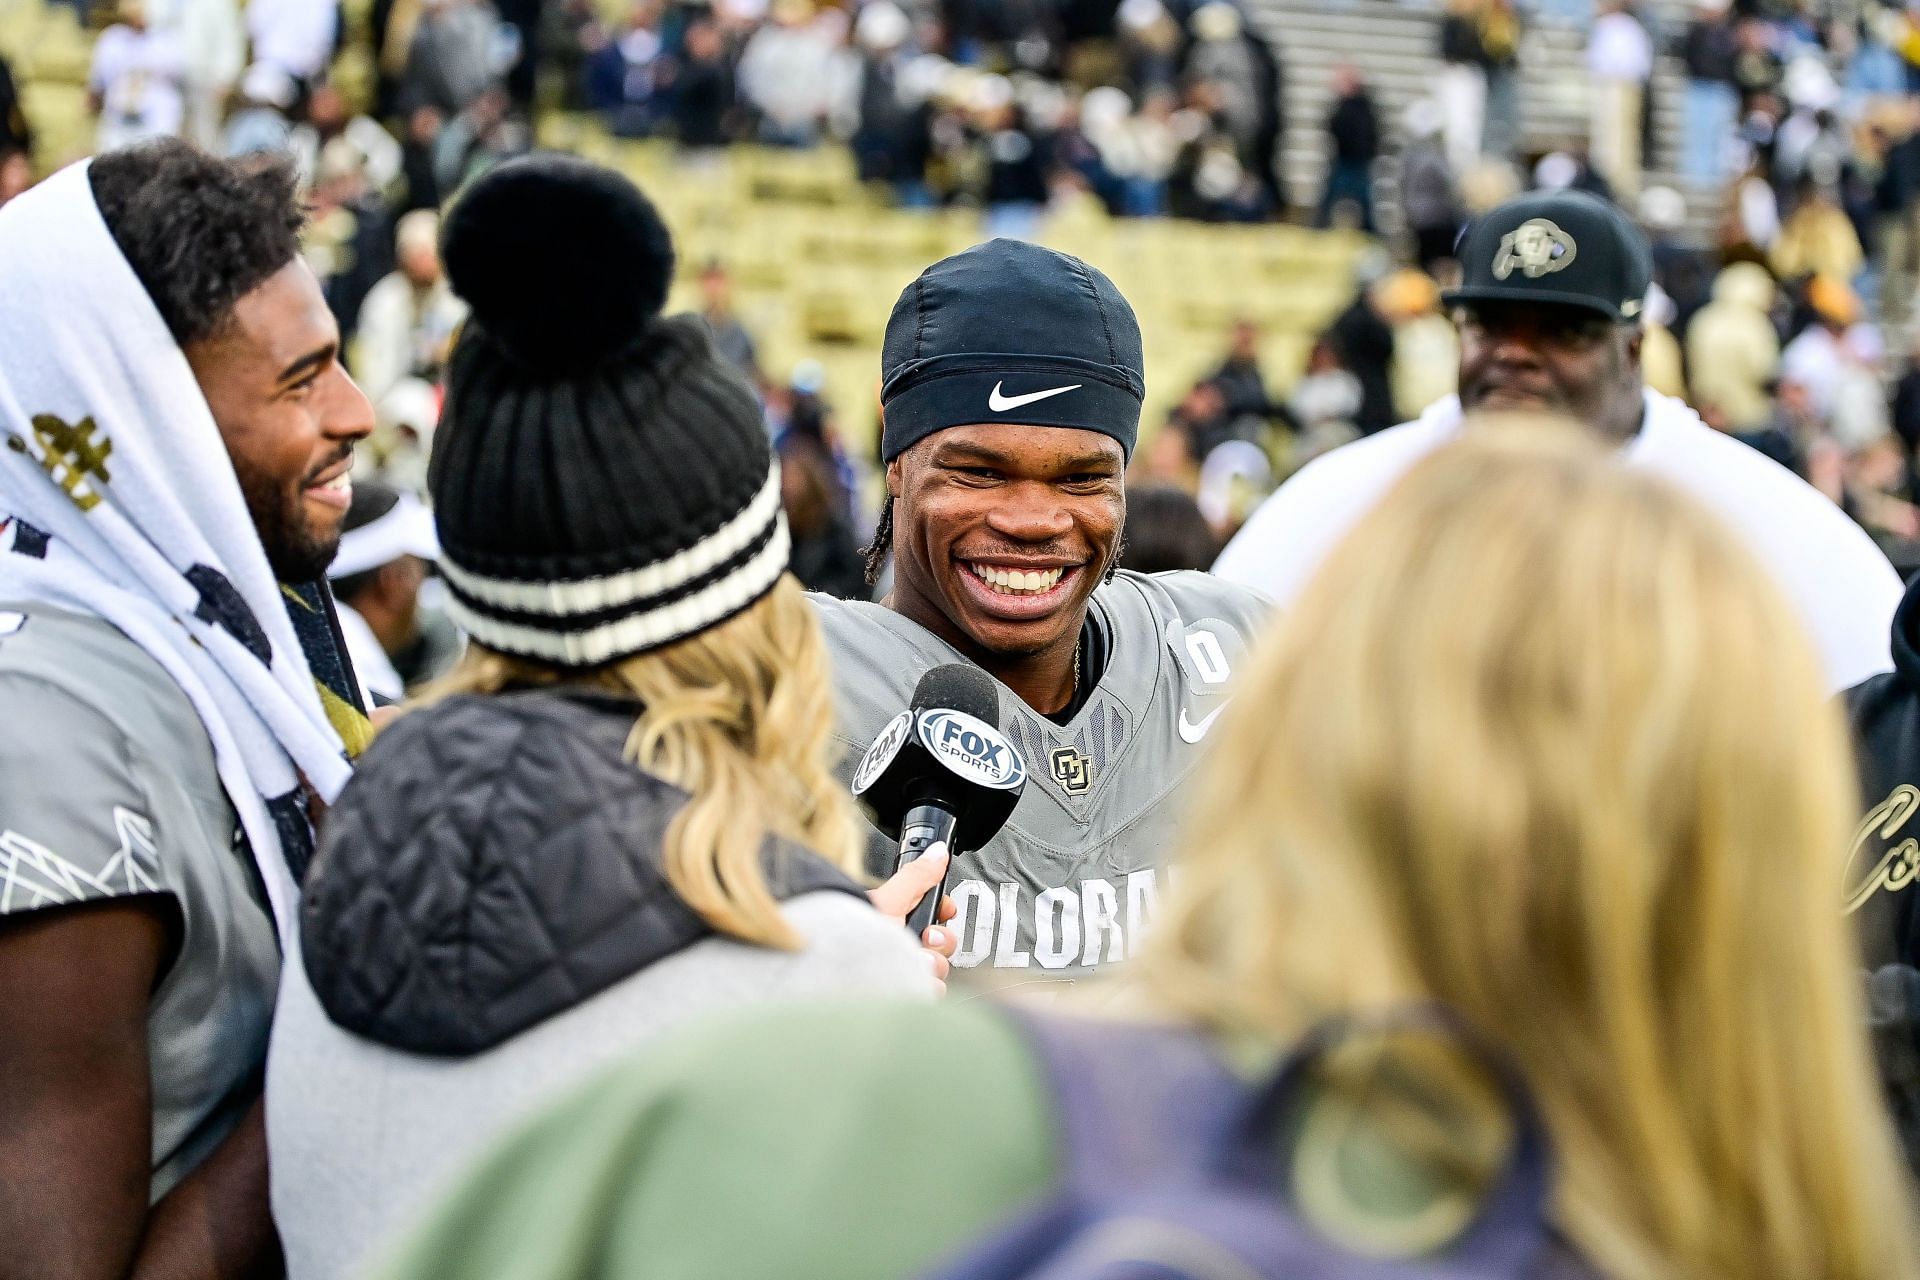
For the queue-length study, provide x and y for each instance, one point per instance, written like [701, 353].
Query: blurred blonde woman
[1541, 742]
[618, 813]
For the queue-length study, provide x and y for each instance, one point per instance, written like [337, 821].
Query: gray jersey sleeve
[75, 823]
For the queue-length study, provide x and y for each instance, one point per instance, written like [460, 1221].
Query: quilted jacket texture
[495, 861]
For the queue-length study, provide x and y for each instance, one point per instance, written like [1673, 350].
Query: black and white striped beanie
[602, 480]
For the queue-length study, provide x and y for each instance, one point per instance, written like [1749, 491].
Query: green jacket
[848, 1142]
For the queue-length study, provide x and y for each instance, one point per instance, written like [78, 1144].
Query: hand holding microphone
[940, 778]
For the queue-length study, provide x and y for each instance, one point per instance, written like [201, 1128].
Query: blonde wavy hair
[1542, 742]
[741, 717]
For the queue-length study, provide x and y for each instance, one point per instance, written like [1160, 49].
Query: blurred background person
[1165, 530]
[408, 320]
[1733, 350]
[731, 337]
[138, 81]
[387, 550]
[1603, 786]
[1707, 51]
[1429, 196]
[1461, 89]
[1353, 144]
[1619, 64]
[662, 834]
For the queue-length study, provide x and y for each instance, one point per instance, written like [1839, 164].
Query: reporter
[1540, 741]
[618, 813]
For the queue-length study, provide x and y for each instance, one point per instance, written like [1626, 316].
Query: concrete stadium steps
[1395, 46]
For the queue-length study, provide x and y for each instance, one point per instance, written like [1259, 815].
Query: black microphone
[942, 773]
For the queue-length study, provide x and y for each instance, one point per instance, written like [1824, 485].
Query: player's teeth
[1016, 581]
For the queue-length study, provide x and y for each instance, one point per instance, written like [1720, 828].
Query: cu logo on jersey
[972, 748]
[1071, 770]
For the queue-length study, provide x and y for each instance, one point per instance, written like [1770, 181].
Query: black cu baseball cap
[1564, 247]
[1010, 332]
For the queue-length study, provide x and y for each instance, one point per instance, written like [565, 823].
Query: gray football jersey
[1068, 884]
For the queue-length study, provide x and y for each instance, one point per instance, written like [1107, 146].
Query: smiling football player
[1012, 389]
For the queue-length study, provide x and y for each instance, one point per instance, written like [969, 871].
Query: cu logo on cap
[972, 748]
[1535, 248]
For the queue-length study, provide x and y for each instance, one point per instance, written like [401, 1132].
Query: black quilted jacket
[493, 862]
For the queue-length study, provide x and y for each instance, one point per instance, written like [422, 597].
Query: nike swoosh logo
[1000, 404]
[1191, 732]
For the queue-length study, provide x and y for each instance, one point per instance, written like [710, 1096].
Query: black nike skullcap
[1010, 332]
[1566, 247]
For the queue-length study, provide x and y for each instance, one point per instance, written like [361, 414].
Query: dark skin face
[289, 416]
[994, 499]
[1558, 359]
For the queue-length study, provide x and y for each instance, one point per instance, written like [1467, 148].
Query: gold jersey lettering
[1899, 866]
[71, 456]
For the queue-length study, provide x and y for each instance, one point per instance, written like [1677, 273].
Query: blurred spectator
[137, 83]
[1325, 402]
[1750, 222]
[1462, 87]
[14, 133]
[1235, 476]
[1733, 349]
[1757, 70]
[1426, 350]
[1662, 366]
[1362, 339]
[408, 320]
[259, 120]
[420, 182]
[402, 441]
[1499, 29]
[1166, 458]
[1895, 129]
[826, 556]
[889, 134]
[1165, 531]
[1619, 64]
[786, 74]
[1243, 77]
[297, 36]
[1817, 357]
[730, 336]
[387, 548]
[624, 69]
[450, 63]
[348, 240]
[213, 45]
[1201, 419]
[1017, 159]
[1353, 144]
[1712, 104]
[1250, 410]
[328, 117]
[1818, 239]
[703, 88]
[1429, 199]
[1682, 268]
[475, 140]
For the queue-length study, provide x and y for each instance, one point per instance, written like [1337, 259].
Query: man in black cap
[1549, 321]
[1012, 389]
